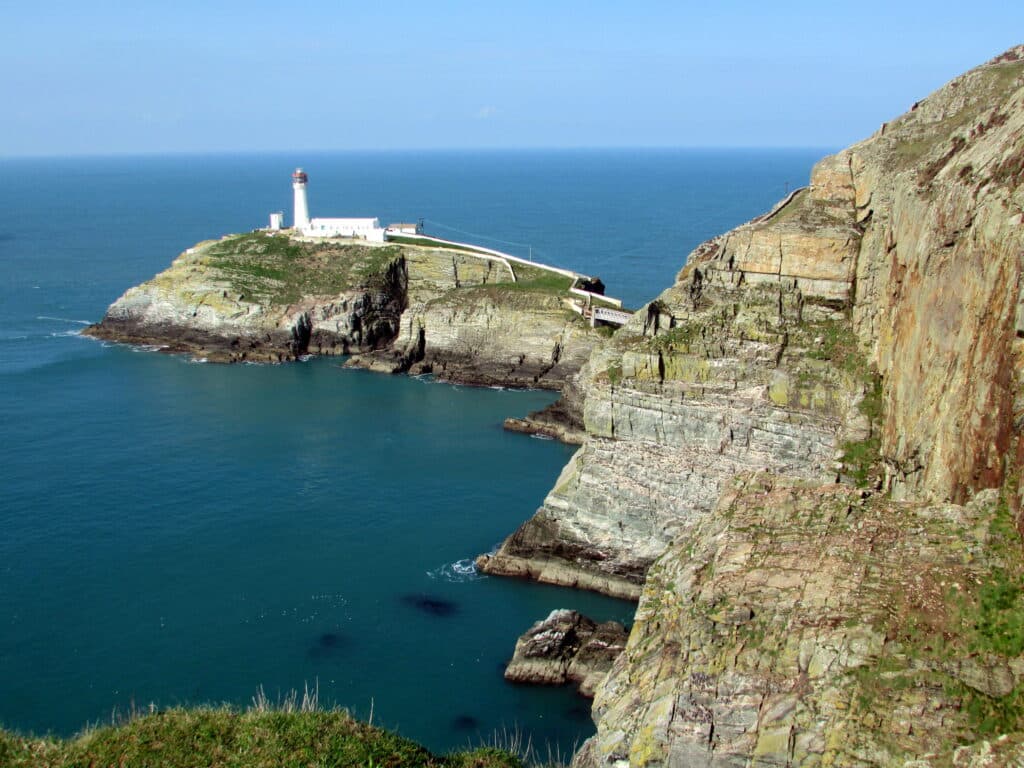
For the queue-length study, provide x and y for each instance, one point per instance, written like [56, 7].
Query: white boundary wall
[507, 257]
[370, 229]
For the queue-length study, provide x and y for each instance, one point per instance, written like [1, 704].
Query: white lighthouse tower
[299, 179]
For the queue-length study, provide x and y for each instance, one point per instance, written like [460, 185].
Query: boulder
[567, 647]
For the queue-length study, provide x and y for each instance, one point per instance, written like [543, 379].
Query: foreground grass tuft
[225, 738]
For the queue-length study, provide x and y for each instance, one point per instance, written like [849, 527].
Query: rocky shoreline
[791, 455]
[567, 647]
[809, 451]
[805, 459]
[266, 297]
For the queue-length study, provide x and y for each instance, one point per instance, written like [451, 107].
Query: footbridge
[609, 316]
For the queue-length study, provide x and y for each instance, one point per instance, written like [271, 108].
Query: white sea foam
[539, 436]
[305, 358]
[198, 360]
[460, 570]
[63, 320]
[72, 332]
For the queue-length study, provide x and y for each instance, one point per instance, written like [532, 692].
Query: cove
[202, 530]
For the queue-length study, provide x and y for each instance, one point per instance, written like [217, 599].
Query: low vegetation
[225, 738]
[975, 621]
[278, 270]
[834, 341]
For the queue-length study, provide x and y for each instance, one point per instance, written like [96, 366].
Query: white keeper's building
[362, 229]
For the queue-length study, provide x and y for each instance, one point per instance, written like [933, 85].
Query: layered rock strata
[746, 364]
[804, 458]
[891, 285]
[814, 625]
[261, 297]
[267, 297]
[566, 647]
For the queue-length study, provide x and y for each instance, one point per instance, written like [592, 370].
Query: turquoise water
[184, 533]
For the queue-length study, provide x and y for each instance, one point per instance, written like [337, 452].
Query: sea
[176, 533]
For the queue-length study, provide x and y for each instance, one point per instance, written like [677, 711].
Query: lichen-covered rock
[566, 647]
[467, 321]
[940, 192]
[809, 625]
[890, 286]
[719, 376]
[264, 297]
[806, 456]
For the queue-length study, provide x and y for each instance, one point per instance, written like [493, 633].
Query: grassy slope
[279, 271]
[223, 738]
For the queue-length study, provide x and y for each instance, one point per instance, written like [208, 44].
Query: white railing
[591, 296]
[614, 316]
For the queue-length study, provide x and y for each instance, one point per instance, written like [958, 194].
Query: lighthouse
[299, 179]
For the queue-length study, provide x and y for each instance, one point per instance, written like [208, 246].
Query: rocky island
[803, 459]
[461, 314]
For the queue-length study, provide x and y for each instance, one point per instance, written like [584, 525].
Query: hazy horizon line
[416, 150]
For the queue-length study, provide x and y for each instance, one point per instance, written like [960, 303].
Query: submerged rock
[435, 606]
[567, 647]
[328, 644]
[465, 723]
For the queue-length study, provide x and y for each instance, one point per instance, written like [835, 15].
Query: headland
[416, 304]
[804, 458]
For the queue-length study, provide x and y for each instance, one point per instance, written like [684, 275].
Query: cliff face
[746, 364]
[262, 297]
[466, 321]
[809, 625]
[259, 297]
[938, 279]
[808, 447]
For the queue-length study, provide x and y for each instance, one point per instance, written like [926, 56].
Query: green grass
[990, 620]
[997, 614]
[680, 338]
[614, 372]
[862, 458]
[279, 271]
[224, 738]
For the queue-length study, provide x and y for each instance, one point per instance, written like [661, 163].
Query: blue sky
[120, 77]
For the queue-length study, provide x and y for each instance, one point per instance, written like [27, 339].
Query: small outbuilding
[405, 228]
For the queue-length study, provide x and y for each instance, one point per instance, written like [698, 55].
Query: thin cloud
[485, 113]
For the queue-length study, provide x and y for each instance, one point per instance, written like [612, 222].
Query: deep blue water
[180, 533]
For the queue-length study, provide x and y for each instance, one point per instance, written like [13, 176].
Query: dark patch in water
[579, 713]
[466, 723]
[327, 644]
[6, 237]
[330, 640]
[435, 606]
